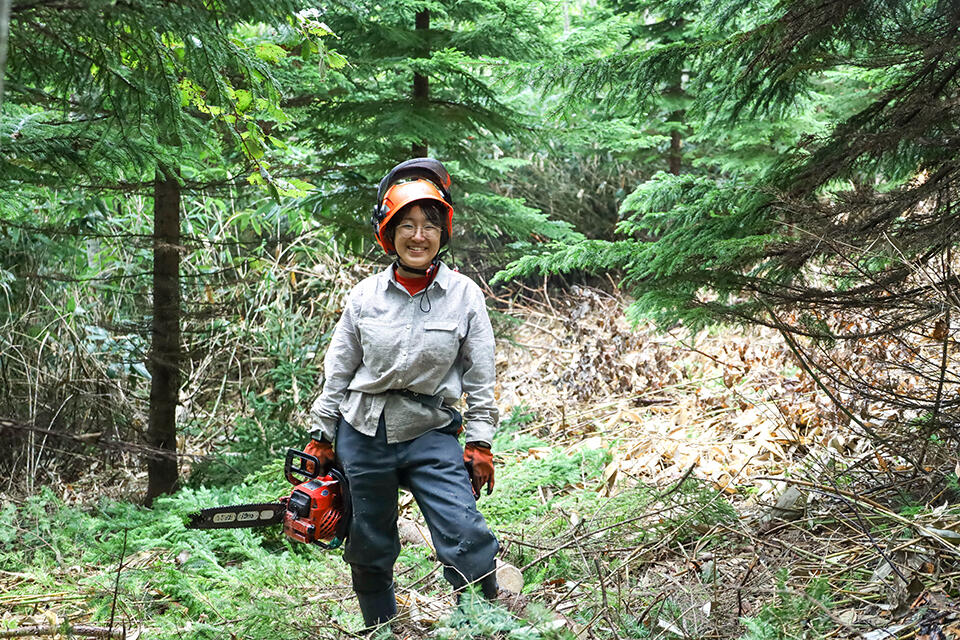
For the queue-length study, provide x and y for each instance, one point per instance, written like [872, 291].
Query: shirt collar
[442, 278]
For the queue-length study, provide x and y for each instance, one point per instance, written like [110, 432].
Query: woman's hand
[323, 452]
[478, 459]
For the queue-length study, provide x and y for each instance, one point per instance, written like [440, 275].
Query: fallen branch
[52, 630]
[874, 506]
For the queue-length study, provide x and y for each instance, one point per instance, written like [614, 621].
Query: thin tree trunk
[165, 349]
[4, 41]
[421, 84]
[676, 156]
[677, 116]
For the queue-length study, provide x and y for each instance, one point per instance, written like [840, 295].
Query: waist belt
[434, 402]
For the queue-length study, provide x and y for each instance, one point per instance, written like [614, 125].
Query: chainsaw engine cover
[315, 511]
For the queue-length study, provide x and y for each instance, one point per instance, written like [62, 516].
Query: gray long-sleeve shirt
[384, 341]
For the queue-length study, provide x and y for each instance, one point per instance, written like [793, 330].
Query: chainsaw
[317, 511]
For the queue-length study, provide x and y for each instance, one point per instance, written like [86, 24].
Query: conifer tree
[586, 160]
[750, 222]
[422, 79]
[843, 228]
[115, 95]
[658, 24]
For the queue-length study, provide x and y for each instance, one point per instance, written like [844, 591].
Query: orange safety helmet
[408, 182]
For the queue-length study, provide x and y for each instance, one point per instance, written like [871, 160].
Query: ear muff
[378, 221]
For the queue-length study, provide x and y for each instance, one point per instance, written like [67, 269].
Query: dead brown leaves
[733, 403]
[736, 408]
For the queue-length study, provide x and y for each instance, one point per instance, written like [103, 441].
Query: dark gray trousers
[431, 467]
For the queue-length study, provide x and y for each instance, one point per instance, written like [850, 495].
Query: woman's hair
[432, 209]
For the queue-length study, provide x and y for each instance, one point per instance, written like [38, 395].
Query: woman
[411, 341]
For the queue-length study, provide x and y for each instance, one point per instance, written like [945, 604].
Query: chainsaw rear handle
[299, 474]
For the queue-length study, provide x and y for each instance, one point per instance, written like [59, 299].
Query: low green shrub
[792, 614]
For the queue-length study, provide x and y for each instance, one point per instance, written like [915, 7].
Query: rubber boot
[489, 587]
[377, 608]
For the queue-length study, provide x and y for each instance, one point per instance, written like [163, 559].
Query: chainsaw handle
[299, 474]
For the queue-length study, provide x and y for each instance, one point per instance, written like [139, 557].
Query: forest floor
[649, 486]
[833, 536]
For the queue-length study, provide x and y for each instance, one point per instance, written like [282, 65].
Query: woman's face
[416, 239]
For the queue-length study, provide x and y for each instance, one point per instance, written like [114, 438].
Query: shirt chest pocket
[441, 343]
[381, 348]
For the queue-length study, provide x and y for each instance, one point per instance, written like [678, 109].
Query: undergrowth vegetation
[604, 553]
[258, 309]
[143, 569]
[792, 614]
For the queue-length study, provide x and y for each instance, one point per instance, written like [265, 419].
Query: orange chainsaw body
[314, 510]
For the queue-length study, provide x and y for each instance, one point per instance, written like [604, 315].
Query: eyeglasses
[407, 230]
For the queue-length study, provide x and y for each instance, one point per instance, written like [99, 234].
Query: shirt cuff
[479, 432]
[324, 430]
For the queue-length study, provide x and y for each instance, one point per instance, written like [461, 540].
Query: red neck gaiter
[413, 285]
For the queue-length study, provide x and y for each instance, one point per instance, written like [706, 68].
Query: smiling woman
[417, 237]
[412, 340]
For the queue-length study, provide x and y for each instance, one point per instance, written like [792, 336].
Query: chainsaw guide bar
[239, 516]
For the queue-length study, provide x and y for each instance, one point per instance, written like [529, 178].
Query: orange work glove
[323, 452]
[478, 459]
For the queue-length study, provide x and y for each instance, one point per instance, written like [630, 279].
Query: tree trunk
[676, 156]
[4, 39]
[421, 84]
[164, 360]
[675, 94]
